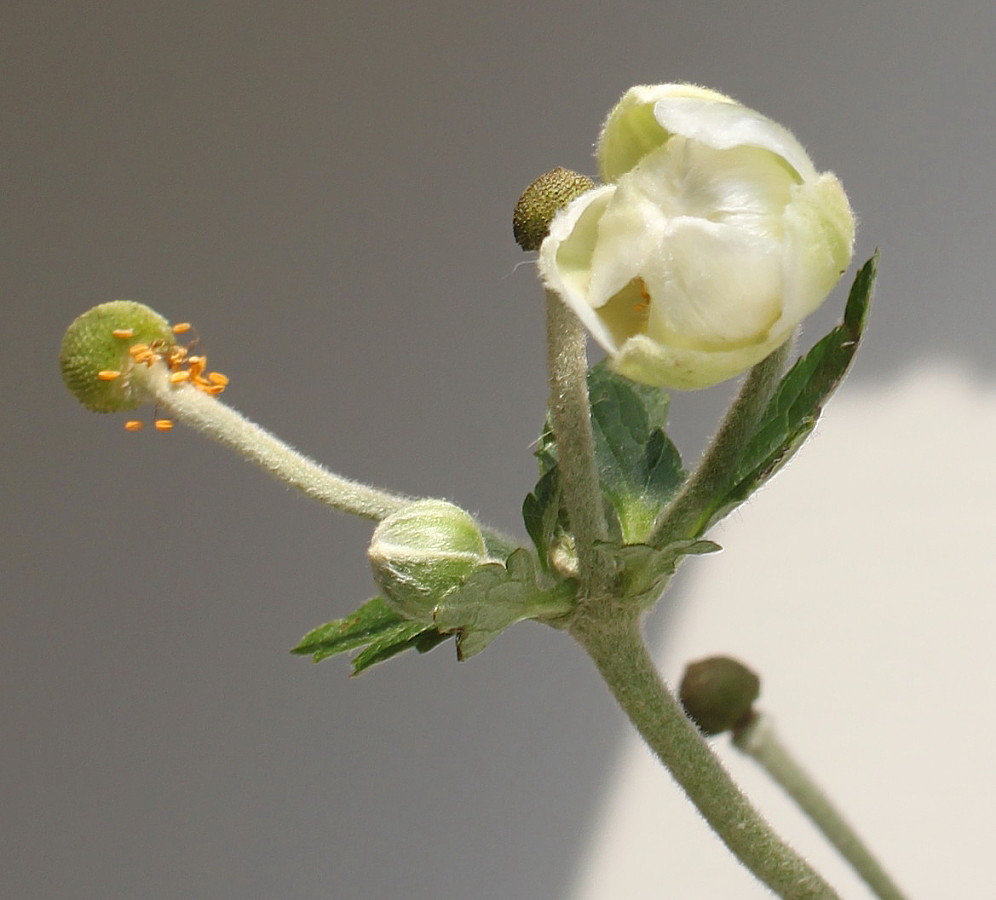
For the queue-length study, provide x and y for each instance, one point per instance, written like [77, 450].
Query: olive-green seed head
[541, 201]
[718, 693]
[90, 347]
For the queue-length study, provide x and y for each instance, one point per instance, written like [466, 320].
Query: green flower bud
[541, 201]
[422, 552]
[95, 357]
[718, 693]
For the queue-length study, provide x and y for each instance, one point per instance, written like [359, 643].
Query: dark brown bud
[718, 694]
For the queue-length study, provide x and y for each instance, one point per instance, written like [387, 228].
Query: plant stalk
[688, 514]
[213, 418]
[760, 742]
[610, 633]
[570, 413]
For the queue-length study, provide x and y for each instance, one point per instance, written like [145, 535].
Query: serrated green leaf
[372, 619]
[409, 635]
[494, 597]
[541, 514]
[645, 570]
[377, 627]
[796, 405]
[639, 468]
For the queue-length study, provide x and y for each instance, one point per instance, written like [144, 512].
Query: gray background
[326, 190]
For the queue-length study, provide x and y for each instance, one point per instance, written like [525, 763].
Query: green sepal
[795, 407]
[643, 571]
[496, 596]
[376, 627]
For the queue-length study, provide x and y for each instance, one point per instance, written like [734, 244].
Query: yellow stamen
[182, 327]
[134, 425]
[644, 305]
[108, 374]
[179, 375]
[164, 425]
[123, 332]
[217, 378]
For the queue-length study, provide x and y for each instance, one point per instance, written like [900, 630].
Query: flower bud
[95, 359]
[712, 239]
[541, 201]
[718, 693]
[423, 551]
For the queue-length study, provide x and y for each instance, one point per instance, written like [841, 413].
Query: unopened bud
[541, 201]
[718, 693]
[422, 552]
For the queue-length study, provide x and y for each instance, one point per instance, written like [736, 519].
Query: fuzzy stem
[211, 417]
[570, 412]
[759, 741]
[610, 633]
[688, 514]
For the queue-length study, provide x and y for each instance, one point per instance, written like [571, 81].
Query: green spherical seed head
[541, 201]
[718, 693]
[90, 346]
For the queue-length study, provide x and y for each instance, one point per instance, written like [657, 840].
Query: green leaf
[541, 514]
[378, 628]
[644, 570]
[639, 468]
[409, 636]
[496, 596]
[796, 405]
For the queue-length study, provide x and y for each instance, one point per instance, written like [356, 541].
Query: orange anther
[179, 375]
[217, 378]
[133, 425]
[108, 374]
[176, 356]
[214, 389]
[136, 349]
[182, 327]
[123, 332]
[164, 425]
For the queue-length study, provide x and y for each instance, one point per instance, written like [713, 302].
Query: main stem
[610, 633]
[759, 740]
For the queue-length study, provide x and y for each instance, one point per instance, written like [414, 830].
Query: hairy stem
[688, 514]
[610, 633]
[224, 424]
[570, 412]
[759, 741]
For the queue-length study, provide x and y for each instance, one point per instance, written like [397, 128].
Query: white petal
[715, 287]
[744, 186]
[819, 242]
[726, 124]
[565, 258]
[631, 131]
[651, 363]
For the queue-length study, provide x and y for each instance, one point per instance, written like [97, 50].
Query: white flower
[713, 237]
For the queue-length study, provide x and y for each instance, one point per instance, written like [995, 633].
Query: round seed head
[541, 201]
[94, 344]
